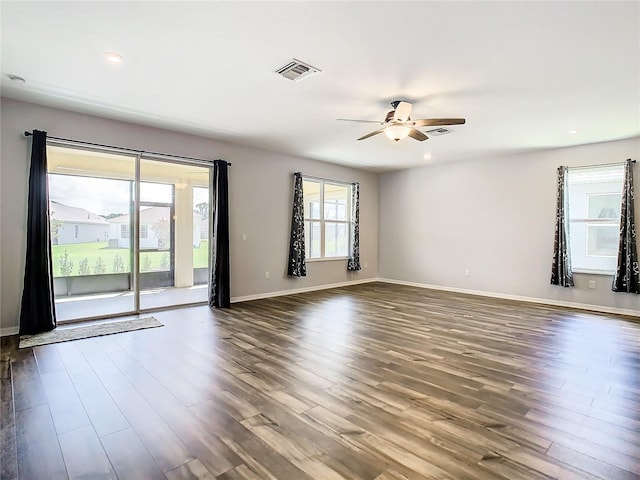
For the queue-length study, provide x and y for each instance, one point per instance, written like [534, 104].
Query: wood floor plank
[165, 447]
[366, 382]
[72, 358]
[266, 462]
[129, 457]
[198, 437]
[107, 372]
[103, 413]
[48, 359]
[193, 470]
[247, 447]
[546, 465]
[39, 454]
[66, 408]
[591, 464]
[241, 472]
[84, 456]
[391, 475]
[8, 447]
[277, 427]
[511, 470]
[28, 391]
[161, 442]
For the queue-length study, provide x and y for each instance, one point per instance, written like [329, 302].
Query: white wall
[504, 207]
[260, 200]
[87, 232]
[494, 217]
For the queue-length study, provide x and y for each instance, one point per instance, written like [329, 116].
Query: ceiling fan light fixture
[398, 124]
[397, 132]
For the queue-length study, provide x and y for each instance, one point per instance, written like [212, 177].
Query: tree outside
[162, 233]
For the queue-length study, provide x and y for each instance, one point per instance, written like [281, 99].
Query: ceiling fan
[398, 125]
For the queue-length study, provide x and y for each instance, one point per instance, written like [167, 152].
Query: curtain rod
[313, 177]
[28, 134]
[601, 165]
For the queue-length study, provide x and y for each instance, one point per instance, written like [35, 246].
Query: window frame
[584, 221]
[323, 221]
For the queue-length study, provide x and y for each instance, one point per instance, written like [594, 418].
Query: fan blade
[371, 134]
[429, 122]
[417, 134]
[403, 111]
[358, 121]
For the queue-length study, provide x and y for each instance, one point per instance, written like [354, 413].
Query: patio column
[184, 234]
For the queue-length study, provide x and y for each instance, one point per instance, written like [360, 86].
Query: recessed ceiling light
[113, 57]
[573, 132]
[427, 156]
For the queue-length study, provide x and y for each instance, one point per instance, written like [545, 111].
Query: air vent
[439, 131]
[296, 70]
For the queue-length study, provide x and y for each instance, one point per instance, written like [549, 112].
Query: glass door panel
[91, 195]
[173, 238]
[201, 238]
[156, 249]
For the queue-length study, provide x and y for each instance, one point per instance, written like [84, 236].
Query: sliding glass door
[91, 198]
[173, 231]
[129, 234]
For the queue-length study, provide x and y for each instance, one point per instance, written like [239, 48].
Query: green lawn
[99, 252]
[201, 255]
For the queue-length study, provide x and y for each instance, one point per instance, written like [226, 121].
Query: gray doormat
[97, 330]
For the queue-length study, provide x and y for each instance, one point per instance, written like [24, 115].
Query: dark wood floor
[368, 382]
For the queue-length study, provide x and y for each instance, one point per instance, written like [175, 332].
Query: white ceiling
[523, 74]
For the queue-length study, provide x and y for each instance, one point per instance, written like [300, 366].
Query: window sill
[325, 259]
[595, 272]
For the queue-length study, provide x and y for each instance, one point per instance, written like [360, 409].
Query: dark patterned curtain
[354, 254]
[219, 287]
[38, 313]
[297, 266]
[627, 276]
[561, 273]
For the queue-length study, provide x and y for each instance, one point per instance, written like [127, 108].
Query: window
[76, 230]
[327, 222]
[124, 231]
[155, 192]
[595, 197]
[144, 231]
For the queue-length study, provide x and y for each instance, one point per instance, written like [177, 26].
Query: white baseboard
[544, 301]
[6, 331]
[281, 293]
[519, 298]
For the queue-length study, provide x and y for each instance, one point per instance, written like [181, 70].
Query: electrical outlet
[244, 237]
[267, 275]
[467, 273]
[366, 265]
[592, 284]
